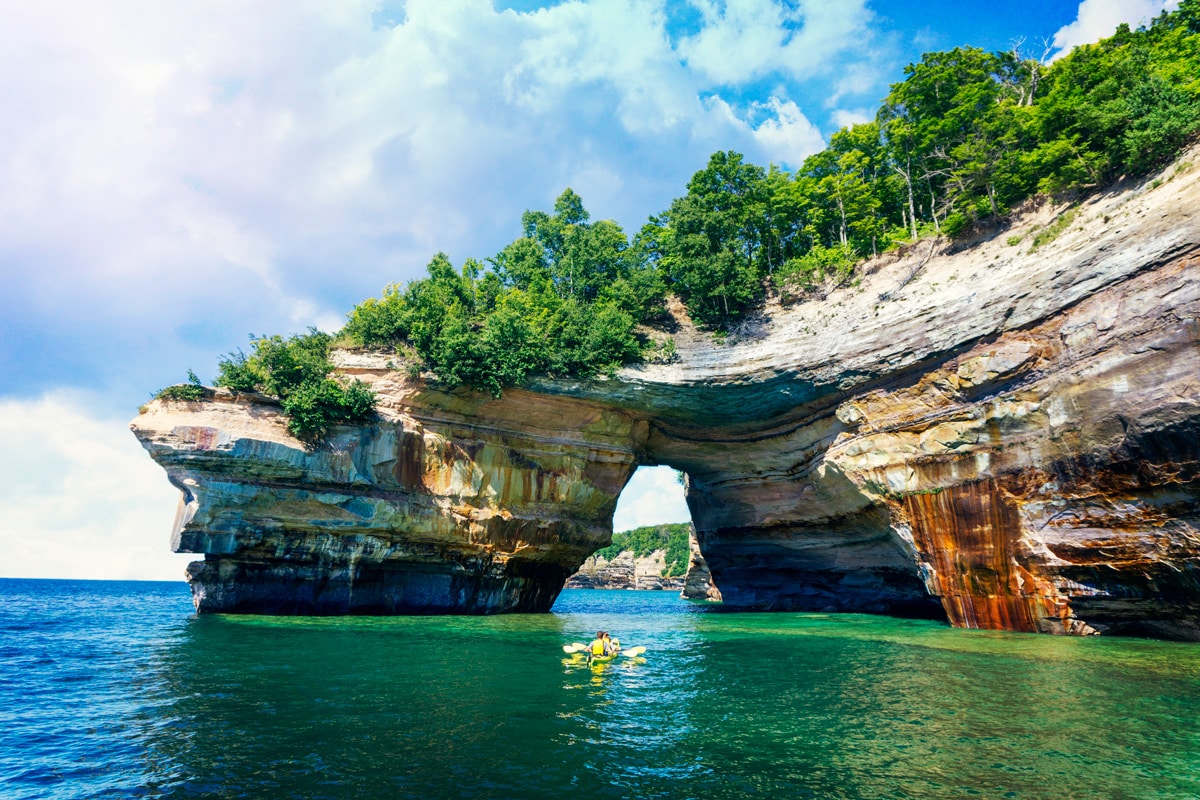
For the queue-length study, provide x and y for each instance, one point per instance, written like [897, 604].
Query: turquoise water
[118, 690]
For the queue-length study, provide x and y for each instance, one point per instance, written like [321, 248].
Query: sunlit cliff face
[1004, 437]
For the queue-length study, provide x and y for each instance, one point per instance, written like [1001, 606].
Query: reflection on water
[137, 697]
[423, 706]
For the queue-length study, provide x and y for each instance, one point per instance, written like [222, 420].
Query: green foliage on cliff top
[183, 392]
[672, 538]
[962, 139]
[563, 299]
[296, 370]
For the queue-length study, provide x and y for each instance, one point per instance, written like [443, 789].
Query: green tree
[297, 371]
[963, 137]
[714, 247]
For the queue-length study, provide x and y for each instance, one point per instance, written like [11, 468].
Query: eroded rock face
[474, 506]
[698, 583]
[1001, 437]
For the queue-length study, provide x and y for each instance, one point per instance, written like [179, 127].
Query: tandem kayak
[578, 654]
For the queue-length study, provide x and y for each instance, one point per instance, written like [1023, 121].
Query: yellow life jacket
[597, 647]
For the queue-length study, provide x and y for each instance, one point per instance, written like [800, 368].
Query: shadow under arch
[774, 541]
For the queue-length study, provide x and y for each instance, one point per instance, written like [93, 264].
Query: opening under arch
[653, 544]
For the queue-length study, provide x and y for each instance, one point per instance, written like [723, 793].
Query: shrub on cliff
[296, 370]
[183, 392]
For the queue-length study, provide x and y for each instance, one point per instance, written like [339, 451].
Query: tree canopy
[962, 139]
[563, 299]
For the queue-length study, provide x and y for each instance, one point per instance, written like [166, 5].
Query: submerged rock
[999, 436]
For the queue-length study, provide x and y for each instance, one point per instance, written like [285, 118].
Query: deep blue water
[114, 690]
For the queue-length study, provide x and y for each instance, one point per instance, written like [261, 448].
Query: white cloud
[79, 498]
[172, 168]
[787, 133]
[776, 127]
[744, 39]
[845, 118]
[1098, 19]
[653, 496]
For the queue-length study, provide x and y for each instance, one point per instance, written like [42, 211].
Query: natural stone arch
[780, 531]
[1011, 436]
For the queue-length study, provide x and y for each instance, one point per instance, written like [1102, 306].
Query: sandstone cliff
[625, 571]
[629, 571]
[452, 502]
[997, 435]
[698, 583]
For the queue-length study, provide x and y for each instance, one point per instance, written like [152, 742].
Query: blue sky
[179, 175]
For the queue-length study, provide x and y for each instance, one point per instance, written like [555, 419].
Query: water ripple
[116, 690]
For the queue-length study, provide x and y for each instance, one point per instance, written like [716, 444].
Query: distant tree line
[957, 144]
[671, 538]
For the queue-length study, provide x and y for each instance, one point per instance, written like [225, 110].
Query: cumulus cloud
[845, 118]
[786, 132]
[79, 498]
[653, 496]
[1098, 19]
[744, 39]
[178, 175]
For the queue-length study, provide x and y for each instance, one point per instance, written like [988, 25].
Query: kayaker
[614, 644]
[598, 647]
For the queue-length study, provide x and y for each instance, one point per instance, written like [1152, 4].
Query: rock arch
[1005, 438]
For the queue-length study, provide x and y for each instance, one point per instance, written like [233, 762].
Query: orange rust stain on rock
[969, 535]
[202, 438]
[409, 469]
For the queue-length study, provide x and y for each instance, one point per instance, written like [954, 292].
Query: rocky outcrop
[450, 503]
[998, 435]
[698, 583]
[625, 571]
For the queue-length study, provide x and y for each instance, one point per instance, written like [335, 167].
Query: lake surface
[113, 689]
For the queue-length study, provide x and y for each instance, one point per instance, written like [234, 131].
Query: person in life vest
[614, 644]
[598, 647]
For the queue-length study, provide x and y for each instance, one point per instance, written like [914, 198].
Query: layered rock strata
[450, 503]
[999, 435]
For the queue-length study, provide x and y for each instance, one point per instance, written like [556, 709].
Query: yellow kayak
[579, 651]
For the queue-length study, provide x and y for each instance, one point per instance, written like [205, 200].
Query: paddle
[576, 647]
